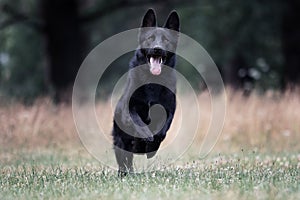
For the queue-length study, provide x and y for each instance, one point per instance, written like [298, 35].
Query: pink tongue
[155, 65]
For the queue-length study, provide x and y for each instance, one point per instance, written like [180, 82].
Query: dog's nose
[157, 50]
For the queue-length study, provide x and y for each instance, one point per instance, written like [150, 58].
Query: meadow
[256, 157]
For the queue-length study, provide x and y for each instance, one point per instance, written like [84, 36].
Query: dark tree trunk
[65, 42]
[237, 76]
[291, 43]
[231, 71]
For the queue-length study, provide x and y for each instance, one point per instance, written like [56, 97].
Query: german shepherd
[132, 133]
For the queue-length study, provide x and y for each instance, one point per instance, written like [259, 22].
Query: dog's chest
[153, 93]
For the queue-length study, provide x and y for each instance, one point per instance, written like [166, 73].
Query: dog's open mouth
[155, 63]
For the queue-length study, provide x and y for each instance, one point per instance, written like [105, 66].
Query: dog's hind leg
[124, 160]
[151, 148]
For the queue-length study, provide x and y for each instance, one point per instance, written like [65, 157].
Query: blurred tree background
[256, 44]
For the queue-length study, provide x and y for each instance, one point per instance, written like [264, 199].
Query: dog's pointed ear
[172, 21]
[149, 19]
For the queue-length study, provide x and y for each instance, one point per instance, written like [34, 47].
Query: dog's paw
[151, 154]
[144, 133]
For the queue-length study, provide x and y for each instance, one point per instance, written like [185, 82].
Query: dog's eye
[151, 38]
[165, 39]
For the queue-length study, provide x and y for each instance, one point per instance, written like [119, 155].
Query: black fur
[140, 100]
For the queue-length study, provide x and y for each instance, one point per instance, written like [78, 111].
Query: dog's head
[158, 44]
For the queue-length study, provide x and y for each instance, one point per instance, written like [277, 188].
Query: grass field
[256, 157]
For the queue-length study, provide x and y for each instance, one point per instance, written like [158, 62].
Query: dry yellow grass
[40, 125]
[269, 123]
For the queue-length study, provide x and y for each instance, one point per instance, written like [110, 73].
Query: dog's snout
[157, 50]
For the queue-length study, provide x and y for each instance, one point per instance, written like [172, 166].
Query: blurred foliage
[22, 72]
[226, 29]
[250, 29]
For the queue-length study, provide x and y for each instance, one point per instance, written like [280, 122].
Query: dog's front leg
[141, 129]
[170, 115]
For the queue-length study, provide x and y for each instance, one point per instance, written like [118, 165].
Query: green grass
[49, 175]
[41, 156]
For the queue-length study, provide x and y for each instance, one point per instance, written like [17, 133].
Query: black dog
[139, 125]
